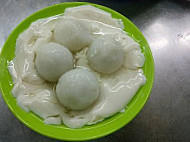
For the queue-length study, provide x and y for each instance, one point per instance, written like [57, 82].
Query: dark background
[166, 26]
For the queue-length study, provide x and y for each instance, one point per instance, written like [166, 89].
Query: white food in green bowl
[117, 82]
[105, 55]
[77, 89]
[72, 34]
[52, 60]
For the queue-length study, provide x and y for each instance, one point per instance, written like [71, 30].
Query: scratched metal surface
[166, 26]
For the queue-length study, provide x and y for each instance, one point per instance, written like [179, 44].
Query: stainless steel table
[166, 26]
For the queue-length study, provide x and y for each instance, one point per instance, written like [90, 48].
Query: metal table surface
[166, 26]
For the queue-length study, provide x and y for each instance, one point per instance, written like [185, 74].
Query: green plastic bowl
[62, 132]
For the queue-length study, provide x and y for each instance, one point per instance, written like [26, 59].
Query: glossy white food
[52, 60]
[72, 34]
[116, 89]
[77, 89]
[92, 13]
[105, 55]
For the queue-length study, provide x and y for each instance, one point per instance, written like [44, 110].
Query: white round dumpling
[77, 89]
[105, 55]
[72, 34]
[52, 60]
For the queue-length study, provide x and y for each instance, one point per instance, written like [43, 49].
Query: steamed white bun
[77, 89]
[105, 55]
[72, 34]
[52, 60]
